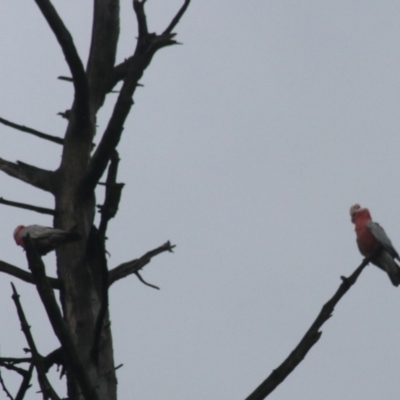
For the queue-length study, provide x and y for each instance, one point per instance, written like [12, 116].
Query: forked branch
[9, 363]
[44, 383]
[132, 267]
[25, 384]
[121, 69]
[310, 338]
[147, 46]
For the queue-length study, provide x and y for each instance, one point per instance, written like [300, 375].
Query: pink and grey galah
[43, 238]
[372, 238]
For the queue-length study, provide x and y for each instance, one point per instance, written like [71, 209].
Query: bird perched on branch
[372, 238]
[43, 238]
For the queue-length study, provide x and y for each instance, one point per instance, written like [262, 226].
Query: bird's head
[357, 211]
[17, 235]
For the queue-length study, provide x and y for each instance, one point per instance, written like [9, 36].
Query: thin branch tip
[30, 207]
[144, 282]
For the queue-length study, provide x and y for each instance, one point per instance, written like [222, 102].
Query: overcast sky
[246, 147]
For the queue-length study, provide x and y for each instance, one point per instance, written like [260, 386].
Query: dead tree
[83, 277]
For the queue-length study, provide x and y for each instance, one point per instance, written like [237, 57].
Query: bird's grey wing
[40, 232]
[382, 238]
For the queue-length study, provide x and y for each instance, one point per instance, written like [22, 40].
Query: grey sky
[246, 148]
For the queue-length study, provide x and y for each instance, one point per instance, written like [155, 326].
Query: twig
[41, 210]
[131, 267]
[37, 359]
[12, 367]
[65, 114]
[310, 338]
[72, 357]
[65, 78]
[13, 360]
[8, 394]
[34, 132]
[144, 282]
[177, 17]
[25, 275]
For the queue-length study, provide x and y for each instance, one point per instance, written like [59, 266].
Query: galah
[370, 238]
[43, 238]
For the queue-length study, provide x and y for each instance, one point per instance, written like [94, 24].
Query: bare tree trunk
[83, 324]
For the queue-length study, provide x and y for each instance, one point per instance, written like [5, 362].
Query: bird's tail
[386, 262]
[392, 268]
[395, 277]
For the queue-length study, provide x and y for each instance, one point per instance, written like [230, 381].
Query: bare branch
[147, 46]
[71, 355]
[177, 17]
[131, 267]
[65, 78]
[113, 195]
[138, 6]
[25, 206]
[105, 33]
[25, 385]
[5, 390]
[9, 363]
[34, 132]
[144, 282]
[25, 275]
[74, 62]
[13, 360]
[37, 359]
[12, 367]
[40, 178]
[310, 338]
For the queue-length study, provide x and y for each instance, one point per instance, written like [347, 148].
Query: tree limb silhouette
[309, 339]
[25, 275]
[41, 210]
[44, 383]
[132, 267]
[34, 132]
[37, 177]
[74, 62]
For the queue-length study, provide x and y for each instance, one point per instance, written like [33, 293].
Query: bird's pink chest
[366, 241]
